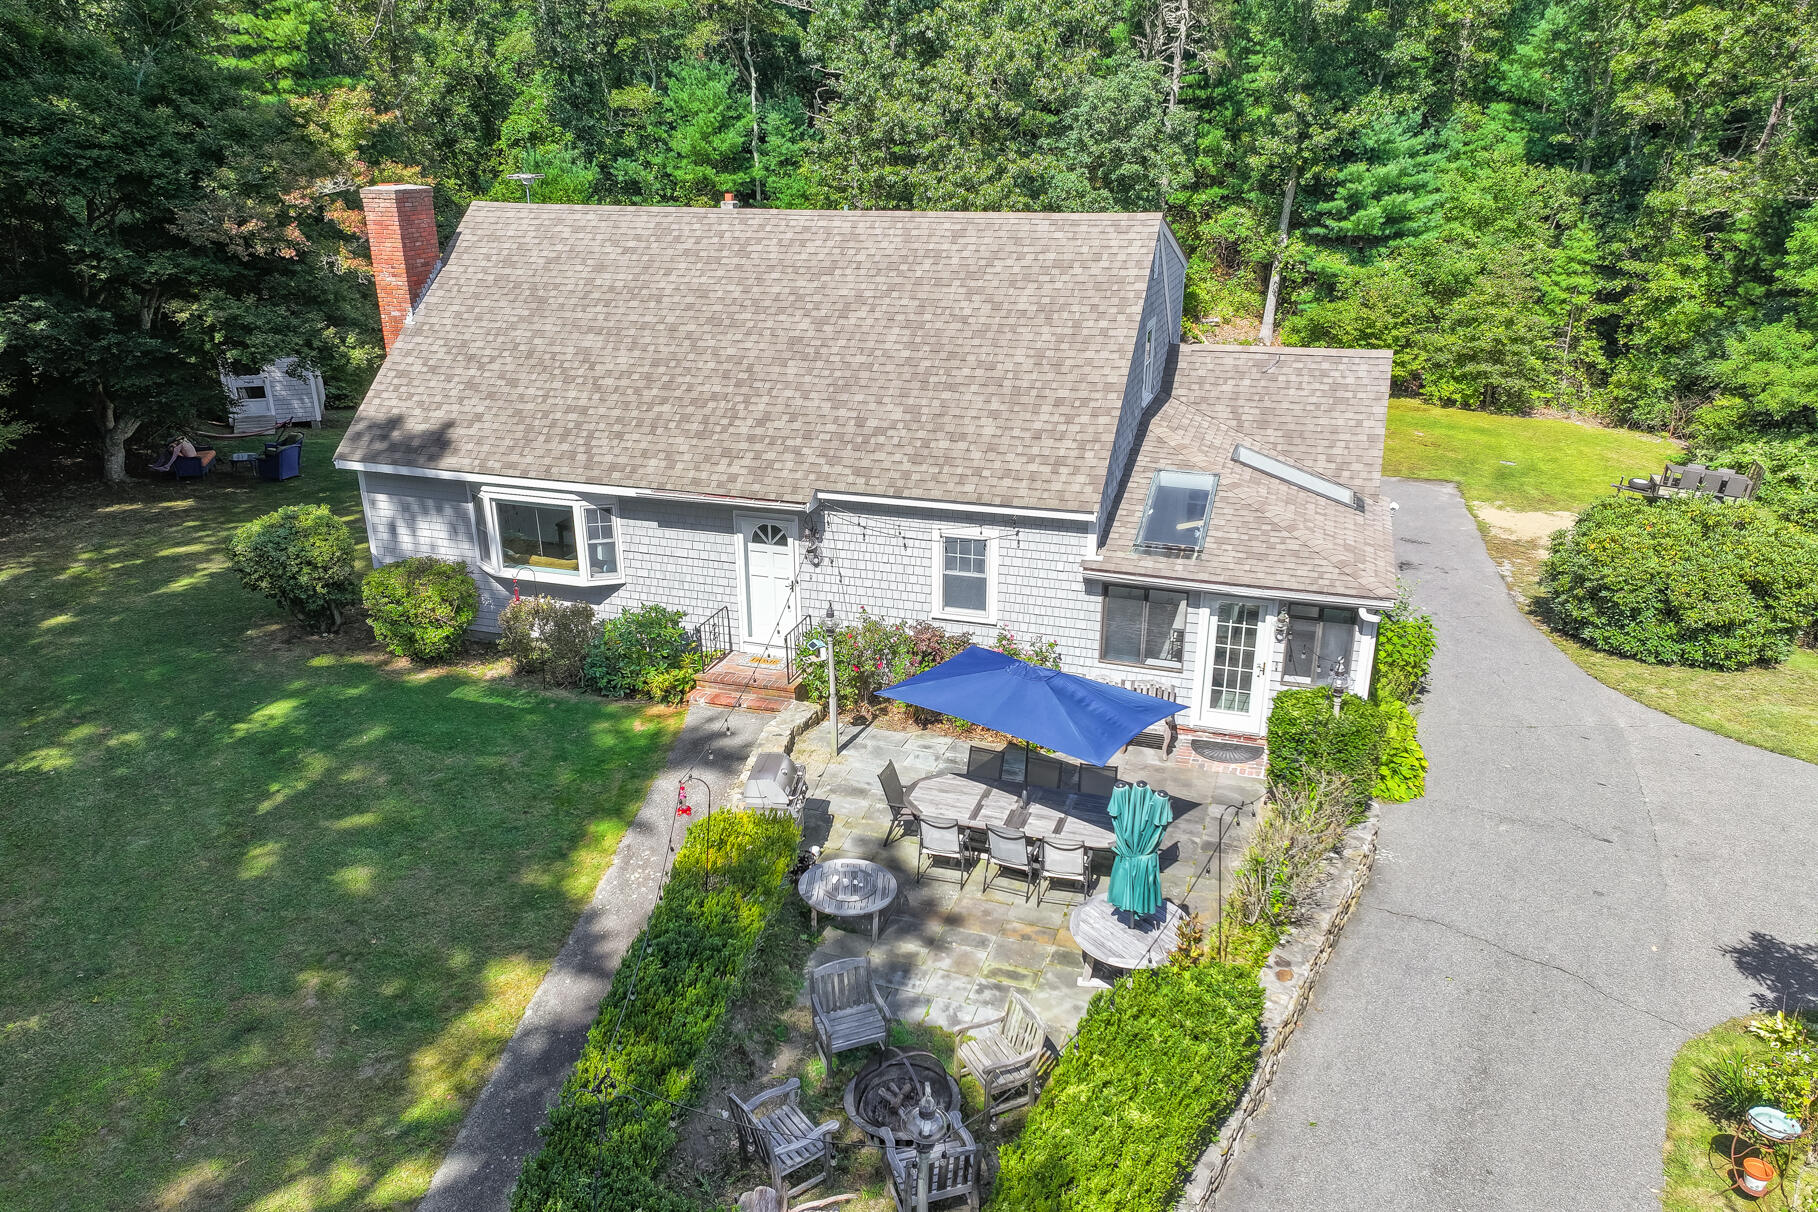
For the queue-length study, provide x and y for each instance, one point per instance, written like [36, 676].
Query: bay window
[546, 537]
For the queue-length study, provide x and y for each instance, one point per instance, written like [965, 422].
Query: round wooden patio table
[1110, 938]
[847, 887]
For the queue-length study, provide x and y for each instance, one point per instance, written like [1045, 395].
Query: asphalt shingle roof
[1322, 409]
[964, 357]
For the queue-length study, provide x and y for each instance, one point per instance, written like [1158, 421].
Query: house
[987, 420]
[279, 392]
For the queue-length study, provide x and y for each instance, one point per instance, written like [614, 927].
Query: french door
[1234, 664]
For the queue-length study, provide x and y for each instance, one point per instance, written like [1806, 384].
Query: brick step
[735, 672]
[711, 696]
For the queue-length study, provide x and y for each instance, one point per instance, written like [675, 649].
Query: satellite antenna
[526, 179]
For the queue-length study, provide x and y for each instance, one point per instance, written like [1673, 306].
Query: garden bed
[1701, 1115]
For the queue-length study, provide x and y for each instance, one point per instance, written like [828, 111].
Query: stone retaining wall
[1303, 956]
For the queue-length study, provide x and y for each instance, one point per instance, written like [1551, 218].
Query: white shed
[280, 392]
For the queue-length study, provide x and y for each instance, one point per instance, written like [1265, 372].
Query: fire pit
[890, 1085]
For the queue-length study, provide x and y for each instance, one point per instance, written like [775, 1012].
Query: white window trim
[490, 558]
[992, 543]
[742, 525]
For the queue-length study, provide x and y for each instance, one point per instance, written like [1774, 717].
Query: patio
[949, 955]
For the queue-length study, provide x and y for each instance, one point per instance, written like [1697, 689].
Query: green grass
[270, 907]
[1528, 464]
[1696, 1152]
[1563, 466]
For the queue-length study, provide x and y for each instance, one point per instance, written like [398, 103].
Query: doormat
[1233, 752]
[757, 660]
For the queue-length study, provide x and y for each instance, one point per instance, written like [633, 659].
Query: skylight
[1300, 477]
[1174, 519]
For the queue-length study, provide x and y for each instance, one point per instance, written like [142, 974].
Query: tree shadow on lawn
[270, 911]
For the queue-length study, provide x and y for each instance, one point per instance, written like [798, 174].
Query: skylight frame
[1164, 547]
[1300, 477]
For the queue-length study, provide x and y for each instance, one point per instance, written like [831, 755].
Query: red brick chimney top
[401, 230]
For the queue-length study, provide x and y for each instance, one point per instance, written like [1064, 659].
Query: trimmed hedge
[1158, 1064]
[302, 557]
[547, 639]
[1308, 739]
[421, 607]
[723, 890]
[1684, 581]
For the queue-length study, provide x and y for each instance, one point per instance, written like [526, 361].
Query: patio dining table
[976, 804]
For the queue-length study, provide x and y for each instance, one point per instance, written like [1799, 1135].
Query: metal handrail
[713, 637]
[792, 642]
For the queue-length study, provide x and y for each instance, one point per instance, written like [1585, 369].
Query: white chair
[1008, 850]
[1070, 862]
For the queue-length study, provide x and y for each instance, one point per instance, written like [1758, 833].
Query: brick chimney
[401, 229]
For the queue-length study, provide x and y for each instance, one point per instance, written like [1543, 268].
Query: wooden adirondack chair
[774, 1131]
[1006, 1055]
[847, 1009]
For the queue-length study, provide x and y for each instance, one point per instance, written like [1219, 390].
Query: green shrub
[633, 645]
[1308, 740]
[872, 654]
[421, 607]
[302, 557]
[1401, 772]
[1405, 644]
[1790, 487]
[673, 686]
[547, 639]
[721, 894]
[1158, 1063]
[1684, 581]
[1294, 832]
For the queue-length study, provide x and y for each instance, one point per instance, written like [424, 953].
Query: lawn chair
[1008, 850]
[847, 1009]
[1098, 781]
[952, 1169]
[941, 841]
[780, 1136]
[1042, 771]
[1069, 862]
[282, 460]
[982, 763]
[1006, 1055]
[901, 814]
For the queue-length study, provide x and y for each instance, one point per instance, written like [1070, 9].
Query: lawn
[270, 907]
[1696, 1152]
[1523, 477]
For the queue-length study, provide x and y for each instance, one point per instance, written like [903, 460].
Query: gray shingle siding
[1162, 308]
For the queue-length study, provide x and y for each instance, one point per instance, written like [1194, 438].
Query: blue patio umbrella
[1060, 711]
[1139, 817]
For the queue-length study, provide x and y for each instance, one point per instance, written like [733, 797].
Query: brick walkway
[949, 954]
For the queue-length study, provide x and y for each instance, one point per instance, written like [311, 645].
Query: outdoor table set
[1037, 812]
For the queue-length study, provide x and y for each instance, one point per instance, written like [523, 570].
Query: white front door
[766, 581]
[1234, 664]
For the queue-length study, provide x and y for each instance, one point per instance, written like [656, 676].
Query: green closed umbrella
[1139, 817]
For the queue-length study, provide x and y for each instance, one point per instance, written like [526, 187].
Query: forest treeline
[1599, 207]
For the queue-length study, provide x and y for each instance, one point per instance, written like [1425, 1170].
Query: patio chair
[847, 1009]
[779, 1136]
[952, 1169]
[1740, 487]
[1043, 771]
[1067, 861]
[1008, 850]
[1098, 780]
[901, 814]
[282, 460]
[982, 763]
[940, 841]
[1006, 1055]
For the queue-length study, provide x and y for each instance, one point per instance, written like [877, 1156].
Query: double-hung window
[546, 537]
[1143, 626]
[1320, 639]
[963, 586]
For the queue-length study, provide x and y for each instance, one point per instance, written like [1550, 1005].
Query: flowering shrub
[1036, 652]
[872, 654]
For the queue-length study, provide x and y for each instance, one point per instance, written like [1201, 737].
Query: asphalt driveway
[1587, 884]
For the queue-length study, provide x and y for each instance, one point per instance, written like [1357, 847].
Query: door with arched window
[766, 581]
